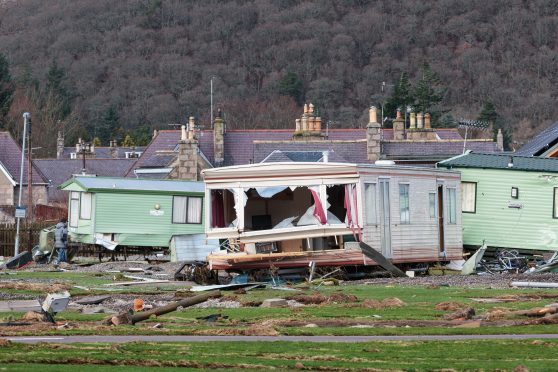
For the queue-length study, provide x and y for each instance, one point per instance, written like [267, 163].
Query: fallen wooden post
[534, 284]
[381, 260]
[126, 318]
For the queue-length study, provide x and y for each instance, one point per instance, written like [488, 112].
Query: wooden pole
[29, 179]
[138, 317]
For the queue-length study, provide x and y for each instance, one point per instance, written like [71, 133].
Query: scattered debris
[461, 314]
[383, 304]
[92, 300]
[274, 302]
[142, 282]
[36, 316]
[19, 261]
[138, 304]
[470, 266]
[36, 287]
[130, 318]
[534, 284]
[380, 260]
[450, 306]
[247, 286]
[56, 302]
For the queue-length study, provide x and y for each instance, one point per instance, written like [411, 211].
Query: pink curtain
[352, 211]
[319, 212]
[217, 209]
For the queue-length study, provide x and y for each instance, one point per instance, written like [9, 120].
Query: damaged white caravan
[291, 214]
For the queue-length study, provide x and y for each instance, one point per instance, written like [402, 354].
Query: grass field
[536, 355]
[418, 313]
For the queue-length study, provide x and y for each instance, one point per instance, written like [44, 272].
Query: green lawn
[536, 355]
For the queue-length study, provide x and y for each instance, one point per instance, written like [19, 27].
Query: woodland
[115, 69]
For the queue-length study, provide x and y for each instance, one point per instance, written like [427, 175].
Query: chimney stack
[219, 140]
[373, 136]
[500, 140]
[398, 127]
[59, 145]
[113, 150]
[191, 127]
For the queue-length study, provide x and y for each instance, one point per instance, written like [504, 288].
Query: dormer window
[133, 154]
[73, 155]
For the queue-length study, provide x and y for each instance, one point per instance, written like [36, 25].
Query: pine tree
[7, 89]
[491, 116]
[109, 126]
[290, 85]
[56, 90]
[428, 92]
[401, 98]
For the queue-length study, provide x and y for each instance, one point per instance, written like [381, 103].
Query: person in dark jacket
[61, 239]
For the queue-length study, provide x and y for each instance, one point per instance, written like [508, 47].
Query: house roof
[253, 146]
[541, 142]
[59, 170]
[340, 151]
[103, 152]
[115, 184]
[434, 149]
[10, 157]
[501, 161]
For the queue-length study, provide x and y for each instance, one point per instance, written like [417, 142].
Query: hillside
[131, 66]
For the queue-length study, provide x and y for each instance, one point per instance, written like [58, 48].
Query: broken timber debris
[127, 318]
[19, 261]
[381, 260]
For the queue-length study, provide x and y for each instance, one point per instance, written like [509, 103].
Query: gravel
[496, 281]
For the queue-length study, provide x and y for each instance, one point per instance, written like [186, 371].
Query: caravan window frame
[463, 194]
[81, 204]
[405, 211]
[74, 214]
[187, 218]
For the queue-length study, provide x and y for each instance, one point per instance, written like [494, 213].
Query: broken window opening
[223, 213]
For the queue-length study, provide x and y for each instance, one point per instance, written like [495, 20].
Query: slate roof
[57, 171]
[343, 152]
[501, 161]
[278, 156]
[541, 142]
[129, 184]
[103, 152]
[433, 149]
[10, 157]
[253, 146]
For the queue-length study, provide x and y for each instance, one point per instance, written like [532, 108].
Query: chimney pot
[420, 117]
[398, 115]
[311, 108]
[427, 121]
[155, 133]
[191, 127]
[412, 121]
[297, 125]
[372, 114]
[318, 124]
[305, 108]
[183, 135]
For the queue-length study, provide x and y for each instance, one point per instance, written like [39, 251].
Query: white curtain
[194, 210]
[179, 209]
[74, 208]
[468, 196]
